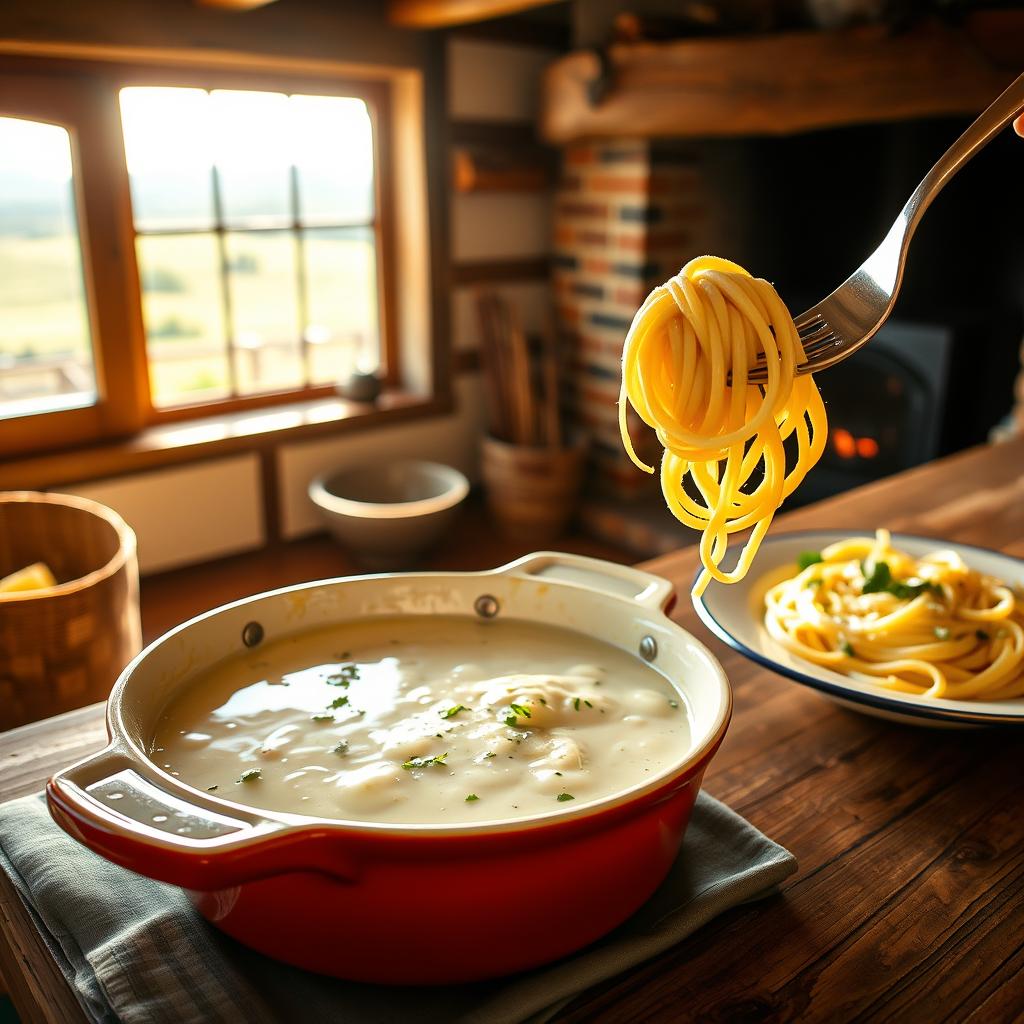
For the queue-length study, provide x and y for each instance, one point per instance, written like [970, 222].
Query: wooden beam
[443, 13]
[776, 84]
[234, 5]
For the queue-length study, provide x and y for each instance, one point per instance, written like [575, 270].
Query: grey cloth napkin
[136, 951]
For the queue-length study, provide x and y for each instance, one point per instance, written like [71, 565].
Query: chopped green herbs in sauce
[340, 747]
[471, 798]
[251, 775]
[345, 675]
[880, 581]
[490, 753]
[210, 789]
[808, 558]
[847, 648]
[562, 797]
[673, 703]
[814, 581]
[516, 711]
[424, 762]
[576, 703]
[453, 711]
[323, 716]
[338, 702]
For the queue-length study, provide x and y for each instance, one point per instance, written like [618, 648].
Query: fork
[848, 318]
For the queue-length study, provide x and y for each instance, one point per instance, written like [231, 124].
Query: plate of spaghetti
[900, 626]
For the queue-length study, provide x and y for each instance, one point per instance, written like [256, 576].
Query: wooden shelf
[781, 84]
[501, 169]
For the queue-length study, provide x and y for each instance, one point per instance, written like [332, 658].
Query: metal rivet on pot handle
[648, 648]
[252, 634]
[486, 606]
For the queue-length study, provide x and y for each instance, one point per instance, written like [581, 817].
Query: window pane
[45, 346]
[263, 279]
[342, 322]
[333, 153]
[168, 148]
[253, 155]
[183, 308]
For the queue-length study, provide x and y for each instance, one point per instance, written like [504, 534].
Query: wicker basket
[63, 647]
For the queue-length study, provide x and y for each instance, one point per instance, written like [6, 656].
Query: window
[46, 360]
[255, 239]
[174, 244]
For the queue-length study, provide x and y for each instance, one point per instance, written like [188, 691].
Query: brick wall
[627, 215]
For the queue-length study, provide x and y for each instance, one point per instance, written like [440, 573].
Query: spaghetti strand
[685, 366]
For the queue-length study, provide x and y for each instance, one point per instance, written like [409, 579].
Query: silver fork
[848, 318]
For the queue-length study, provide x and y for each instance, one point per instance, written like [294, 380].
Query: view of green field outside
[184, 310]
[45, 347]
[300, 164]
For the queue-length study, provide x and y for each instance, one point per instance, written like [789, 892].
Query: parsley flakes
[881, 581]
[452, 712]
[562, 797]
[516, 711]
[471, 798]
[808, 558]
[251, 775]
[345, 675]
[424, 762]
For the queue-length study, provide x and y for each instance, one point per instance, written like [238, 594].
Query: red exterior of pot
[421, 909]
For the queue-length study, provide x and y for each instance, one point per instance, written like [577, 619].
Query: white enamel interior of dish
[168, 665]
[736, 612]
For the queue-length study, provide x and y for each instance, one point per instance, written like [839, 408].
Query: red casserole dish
[407, 904]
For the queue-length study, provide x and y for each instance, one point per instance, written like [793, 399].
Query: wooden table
[909, 901]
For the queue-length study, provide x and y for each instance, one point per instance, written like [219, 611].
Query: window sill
[213, 436]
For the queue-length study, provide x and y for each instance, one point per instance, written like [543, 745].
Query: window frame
[83, 97]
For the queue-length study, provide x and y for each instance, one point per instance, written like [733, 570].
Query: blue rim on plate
[907, 708]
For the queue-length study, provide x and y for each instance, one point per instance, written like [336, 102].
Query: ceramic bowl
[388, 513]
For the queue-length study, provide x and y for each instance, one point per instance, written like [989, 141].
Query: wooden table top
[909, 900]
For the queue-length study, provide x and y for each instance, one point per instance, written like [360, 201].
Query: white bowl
[388, 513]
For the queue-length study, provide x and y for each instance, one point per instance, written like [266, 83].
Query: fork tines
[816, 335]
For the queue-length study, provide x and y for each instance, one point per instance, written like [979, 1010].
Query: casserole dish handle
[117, 805]
[648, 590]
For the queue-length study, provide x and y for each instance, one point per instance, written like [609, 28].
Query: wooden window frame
[82, 96]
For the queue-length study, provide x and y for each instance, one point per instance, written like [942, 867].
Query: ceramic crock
[403, 904]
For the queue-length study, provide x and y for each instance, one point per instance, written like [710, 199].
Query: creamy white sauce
[436, 719]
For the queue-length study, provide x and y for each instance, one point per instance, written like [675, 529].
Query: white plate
[733, 612]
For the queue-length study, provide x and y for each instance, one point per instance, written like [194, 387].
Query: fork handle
[992, 119]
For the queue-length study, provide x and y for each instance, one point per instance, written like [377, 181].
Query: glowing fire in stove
[847, 446]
